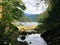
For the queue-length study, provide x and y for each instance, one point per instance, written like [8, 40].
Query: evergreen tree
[52, 24]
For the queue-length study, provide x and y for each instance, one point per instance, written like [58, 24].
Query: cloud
[35, 6]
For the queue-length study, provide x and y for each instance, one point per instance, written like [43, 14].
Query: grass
[25, 28]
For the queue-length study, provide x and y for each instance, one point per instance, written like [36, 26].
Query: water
[32, 39]
[32, 7]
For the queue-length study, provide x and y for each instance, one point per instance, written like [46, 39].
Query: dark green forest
[51, 23]
[8, 32]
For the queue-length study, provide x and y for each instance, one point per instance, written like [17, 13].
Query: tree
[9, 14]
[52, 24]
[41, 18]
[25, 19]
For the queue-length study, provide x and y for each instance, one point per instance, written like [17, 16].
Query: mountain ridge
[33, 17]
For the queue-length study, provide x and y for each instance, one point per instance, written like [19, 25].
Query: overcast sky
[35, 6]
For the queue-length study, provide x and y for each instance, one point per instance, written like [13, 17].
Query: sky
[35, 6]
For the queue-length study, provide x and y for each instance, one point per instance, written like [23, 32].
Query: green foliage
[44, 15]
[42, 18]
[10, 10]
[25, 19]
[10, 13]
[52, 24]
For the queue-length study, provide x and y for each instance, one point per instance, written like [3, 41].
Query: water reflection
[31, 38]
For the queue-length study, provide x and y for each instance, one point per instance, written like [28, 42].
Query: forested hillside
[32, 17]
[25, 19]
[51, 24]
